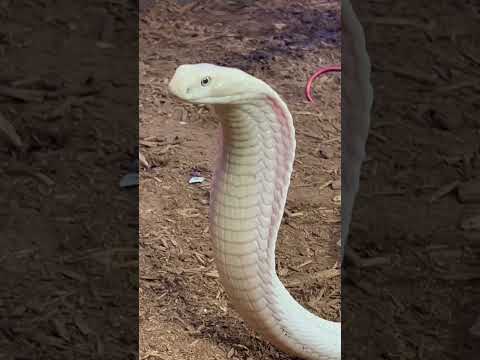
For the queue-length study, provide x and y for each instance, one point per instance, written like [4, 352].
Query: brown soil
[419, 194]
[68, 253]
[184, 313]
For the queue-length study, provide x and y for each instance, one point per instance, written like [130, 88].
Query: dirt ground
[183, 311]
[68, 254]
[419, 195]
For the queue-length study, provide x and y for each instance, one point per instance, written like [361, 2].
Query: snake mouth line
[237, 98]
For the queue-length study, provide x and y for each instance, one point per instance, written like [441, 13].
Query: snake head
[212, 84]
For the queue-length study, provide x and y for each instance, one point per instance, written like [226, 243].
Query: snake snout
[174, 89]
[179, 89]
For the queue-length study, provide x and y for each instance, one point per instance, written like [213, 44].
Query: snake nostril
[187, 90]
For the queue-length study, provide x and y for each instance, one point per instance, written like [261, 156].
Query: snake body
[249, 191]
[248, 197]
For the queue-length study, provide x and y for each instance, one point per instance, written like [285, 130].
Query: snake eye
[205, 81]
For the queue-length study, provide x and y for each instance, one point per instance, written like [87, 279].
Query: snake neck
[251, 181]
[252, 176]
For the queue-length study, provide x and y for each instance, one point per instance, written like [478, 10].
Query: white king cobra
[248, 197]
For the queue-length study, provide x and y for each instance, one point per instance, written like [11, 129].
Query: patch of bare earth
[419, 195]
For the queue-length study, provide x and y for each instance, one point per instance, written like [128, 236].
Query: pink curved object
[319, 72]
